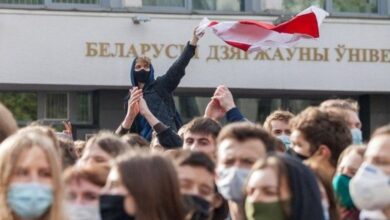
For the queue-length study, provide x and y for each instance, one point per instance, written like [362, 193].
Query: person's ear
[217, 201]
[324, 152]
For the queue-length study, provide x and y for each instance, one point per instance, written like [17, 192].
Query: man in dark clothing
[157, 92]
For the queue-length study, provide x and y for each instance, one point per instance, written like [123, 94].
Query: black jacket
[158, 94]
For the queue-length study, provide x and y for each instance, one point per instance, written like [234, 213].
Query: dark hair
[152, 181]
[301, 183]
[242, 131]
[135, 140]
[108, 142]
[201, 125]
[191, 158]
[320, 127]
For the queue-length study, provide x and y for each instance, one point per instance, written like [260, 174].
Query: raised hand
[214, 110]
[225, 97]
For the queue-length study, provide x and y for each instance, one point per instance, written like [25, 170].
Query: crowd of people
[310, 166]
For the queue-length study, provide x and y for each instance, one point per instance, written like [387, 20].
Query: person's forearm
[152, 120]
[127, 122]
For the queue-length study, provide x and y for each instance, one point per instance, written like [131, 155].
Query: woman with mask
[348, 164]
[280, 187]
[82, 190]
[30, 183]
[141, 186]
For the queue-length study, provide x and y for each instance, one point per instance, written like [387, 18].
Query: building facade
[70, 59]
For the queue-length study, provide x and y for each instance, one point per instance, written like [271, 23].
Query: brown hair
[191, 158]
[96, 175]
[152, 181]
[135, 140]
[242, 131]
[276, 163]
[201, 125]
[109, 143]
[320, 127]
[345, 104]
[68, 154]
[278, 115]
[8, 124]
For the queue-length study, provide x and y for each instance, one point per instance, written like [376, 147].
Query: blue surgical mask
[29, 200]
[357, 136]
[231, 182]
[286, 140]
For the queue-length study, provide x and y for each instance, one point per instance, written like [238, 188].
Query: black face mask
[197, 206]
[112, 208]
[141, 76]
[299, 156]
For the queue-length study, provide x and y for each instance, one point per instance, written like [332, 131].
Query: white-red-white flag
[250, 35]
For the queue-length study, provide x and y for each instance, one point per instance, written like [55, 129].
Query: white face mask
[370, 188]
[82, 212]
[230, 183]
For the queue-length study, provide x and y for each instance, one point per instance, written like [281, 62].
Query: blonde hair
[8, 124]
[10, 150]
[278, 115]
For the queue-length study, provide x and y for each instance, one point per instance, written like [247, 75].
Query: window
[219, 5]
[76, 1]
[83, 107]
[356, 6]
[56, 106]
[164, 3]
[22, 2]
[23, 105]
[289, 6]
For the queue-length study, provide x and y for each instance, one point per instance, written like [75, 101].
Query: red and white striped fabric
[250, 35]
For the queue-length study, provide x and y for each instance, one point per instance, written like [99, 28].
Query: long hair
[10, 150]
[152, 181]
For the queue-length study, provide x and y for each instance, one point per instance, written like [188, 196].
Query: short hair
[135, 140]
[321, 127]
[242, 131]
[278, 115]
[358, 149]
[345, 104]
[191, 158]
[8, 123]
[201, 125]
[109, 143]
[144, 58]
[384, 130]
[96, 175]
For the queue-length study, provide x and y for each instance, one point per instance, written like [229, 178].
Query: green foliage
[358, 6]
[22, 104]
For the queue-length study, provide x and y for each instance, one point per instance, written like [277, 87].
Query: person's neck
[236, 211]
[386, 212]
[141, 85]
[323, 168]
